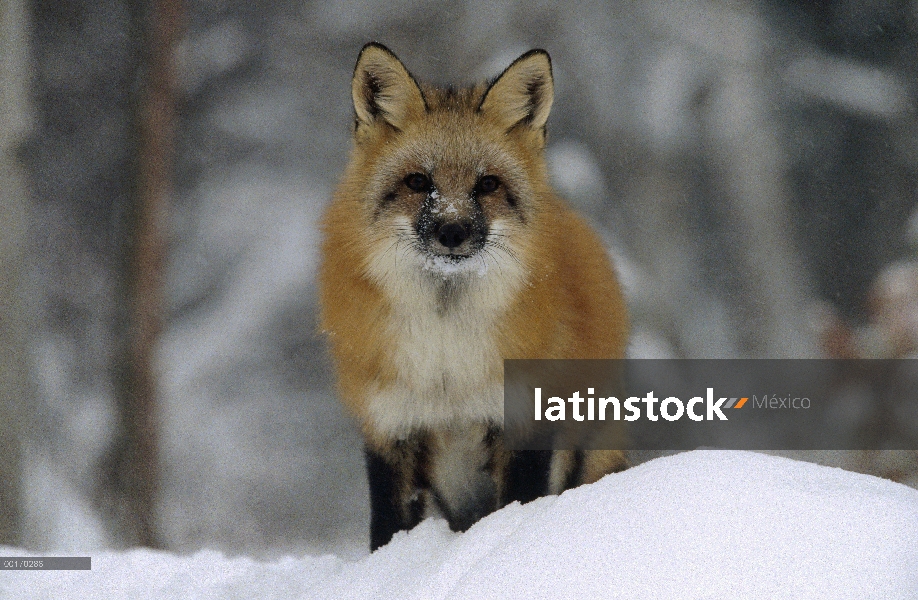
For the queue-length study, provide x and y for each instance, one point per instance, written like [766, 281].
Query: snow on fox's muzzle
[451, 228]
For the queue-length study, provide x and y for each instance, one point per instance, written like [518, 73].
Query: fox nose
[452, 234]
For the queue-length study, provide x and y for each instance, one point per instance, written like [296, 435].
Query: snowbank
[705, 524]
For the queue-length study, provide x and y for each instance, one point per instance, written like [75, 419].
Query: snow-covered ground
[704, 524]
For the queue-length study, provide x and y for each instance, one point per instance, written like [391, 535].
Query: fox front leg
[396, 494]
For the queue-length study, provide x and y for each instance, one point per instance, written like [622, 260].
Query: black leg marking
[420, 481]
[386, 517]
[398, 487]
[492, 435]
[527, 475]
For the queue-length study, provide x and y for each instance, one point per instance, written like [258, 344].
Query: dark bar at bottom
[45, 563]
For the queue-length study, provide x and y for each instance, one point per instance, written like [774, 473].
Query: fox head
[447, 182]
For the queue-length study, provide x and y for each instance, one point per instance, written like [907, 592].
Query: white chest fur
[445, 347]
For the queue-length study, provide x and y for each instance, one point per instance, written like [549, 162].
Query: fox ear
[523, 93]
[383, 89]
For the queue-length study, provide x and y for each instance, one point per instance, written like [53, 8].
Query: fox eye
[488, 184]
[417, 182]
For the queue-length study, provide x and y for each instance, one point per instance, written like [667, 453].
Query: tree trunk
[15, 387]
[132, 470]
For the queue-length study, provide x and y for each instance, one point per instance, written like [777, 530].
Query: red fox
[446, 251]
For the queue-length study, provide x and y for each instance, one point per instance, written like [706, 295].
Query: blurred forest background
[753, 167]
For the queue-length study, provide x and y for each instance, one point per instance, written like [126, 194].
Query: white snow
[705, 524]
[446, 266]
